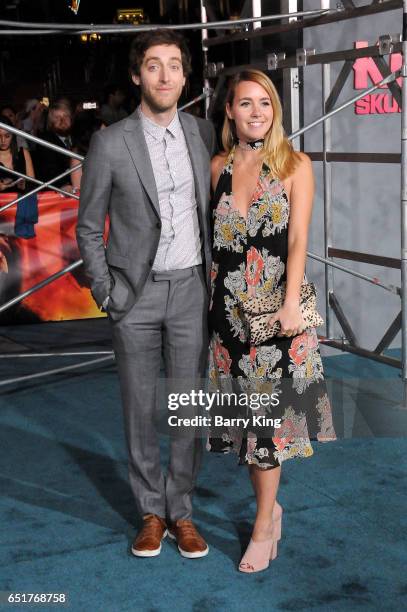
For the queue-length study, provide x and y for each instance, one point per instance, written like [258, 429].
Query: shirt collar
[158, 131]
[65, 139]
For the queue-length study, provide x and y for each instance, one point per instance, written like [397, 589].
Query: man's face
[118, 98]
[161, 77]
[60, 121]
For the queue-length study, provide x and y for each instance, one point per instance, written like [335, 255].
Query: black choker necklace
[254, 144]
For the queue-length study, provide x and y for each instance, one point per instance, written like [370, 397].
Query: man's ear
[136, 79]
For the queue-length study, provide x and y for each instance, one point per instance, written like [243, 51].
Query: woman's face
[5, 140]
[251, 111]
[10, 114]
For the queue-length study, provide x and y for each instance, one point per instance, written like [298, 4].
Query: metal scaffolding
[305, 57]
[278, 61]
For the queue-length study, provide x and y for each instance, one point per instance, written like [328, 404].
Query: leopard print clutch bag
[258, 310]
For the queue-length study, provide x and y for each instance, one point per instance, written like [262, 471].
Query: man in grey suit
[150, 173]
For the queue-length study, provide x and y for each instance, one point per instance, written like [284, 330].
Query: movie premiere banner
[37, 251]
[367, 73]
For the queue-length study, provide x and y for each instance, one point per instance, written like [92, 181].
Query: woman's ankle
[262, 529]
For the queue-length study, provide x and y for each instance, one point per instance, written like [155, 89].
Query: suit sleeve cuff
[105, 303]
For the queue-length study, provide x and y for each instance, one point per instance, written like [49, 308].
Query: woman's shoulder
[24, 153]
[300, 171]
[217, 164]
[301, 167]
[303, 161]
[219, 160]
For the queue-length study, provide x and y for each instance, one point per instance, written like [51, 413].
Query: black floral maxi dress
[249, 258]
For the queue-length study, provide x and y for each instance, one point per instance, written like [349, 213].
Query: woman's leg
[263, 544]
[265, 484]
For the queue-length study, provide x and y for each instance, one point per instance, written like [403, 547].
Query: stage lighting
[132, 16]
[93, 37]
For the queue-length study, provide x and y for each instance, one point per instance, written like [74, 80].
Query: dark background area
[83, 69]
[63, 65]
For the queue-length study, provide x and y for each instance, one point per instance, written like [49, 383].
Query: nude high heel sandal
[259, 554]
[273, 553]
[277, 520]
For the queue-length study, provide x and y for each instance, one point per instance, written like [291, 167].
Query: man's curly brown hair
[145, 40]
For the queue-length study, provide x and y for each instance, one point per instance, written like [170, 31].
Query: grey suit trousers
[169, 319]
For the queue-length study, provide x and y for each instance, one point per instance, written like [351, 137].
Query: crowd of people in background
[63, 122]
[60, 122]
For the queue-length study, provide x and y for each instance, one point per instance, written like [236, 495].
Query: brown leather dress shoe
[190, 544]
[148, 541]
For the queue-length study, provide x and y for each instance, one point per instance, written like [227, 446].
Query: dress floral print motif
[249, 259]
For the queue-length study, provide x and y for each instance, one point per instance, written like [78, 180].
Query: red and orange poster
[27, 261]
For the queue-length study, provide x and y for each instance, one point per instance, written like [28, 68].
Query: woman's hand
[68, 187]
[291, 320]
[3, 263]
[5, 249]
[4, 183]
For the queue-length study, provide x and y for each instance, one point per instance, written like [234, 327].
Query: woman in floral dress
[263, 193]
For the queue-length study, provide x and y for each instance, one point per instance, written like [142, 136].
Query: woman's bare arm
[29, 168]
[302, 196]
[76, 175]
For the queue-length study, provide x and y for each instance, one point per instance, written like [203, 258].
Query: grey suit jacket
[118, 181]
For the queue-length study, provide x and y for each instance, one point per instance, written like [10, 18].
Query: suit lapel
[137, 146]
[192, 137]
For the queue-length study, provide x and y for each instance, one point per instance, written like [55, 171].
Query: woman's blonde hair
[278, 152]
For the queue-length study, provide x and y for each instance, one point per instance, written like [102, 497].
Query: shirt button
[158, 225]
[150, 263]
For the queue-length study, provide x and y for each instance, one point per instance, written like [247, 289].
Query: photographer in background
[85, 124]
[113, 110]
[50, 163]
[33, 120]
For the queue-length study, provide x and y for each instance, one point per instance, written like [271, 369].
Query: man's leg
[137, 344]
[185, 351]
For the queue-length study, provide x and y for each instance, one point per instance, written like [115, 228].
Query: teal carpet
[68, 517]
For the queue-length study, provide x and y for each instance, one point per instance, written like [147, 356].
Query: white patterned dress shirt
[180, 241]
